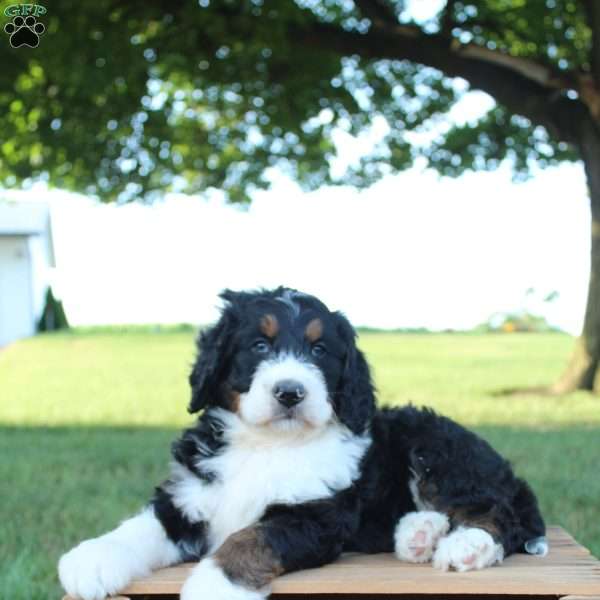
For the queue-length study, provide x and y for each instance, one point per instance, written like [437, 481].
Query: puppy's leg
[481, 531]
[467, 548]
[240, 569]
[287, 538]
[102, 566]
[417, 534]
[453, 471]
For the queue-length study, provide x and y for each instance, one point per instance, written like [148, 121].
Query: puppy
[289, 465]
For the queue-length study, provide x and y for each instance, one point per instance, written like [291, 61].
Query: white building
[26, 260]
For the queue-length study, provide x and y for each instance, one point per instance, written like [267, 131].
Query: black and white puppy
[289, 465]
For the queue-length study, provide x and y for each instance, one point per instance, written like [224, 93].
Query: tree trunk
[583, 371]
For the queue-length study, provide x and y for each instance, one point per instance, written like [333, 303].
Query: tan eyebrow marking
[314, 330]
[269, 325]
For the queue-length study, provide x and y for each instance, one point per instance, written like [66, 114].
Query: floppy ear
[213, 348]
[355, 397]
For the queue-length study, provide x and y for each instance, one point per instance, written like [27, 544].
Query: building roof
[26, 219]
[23, 218]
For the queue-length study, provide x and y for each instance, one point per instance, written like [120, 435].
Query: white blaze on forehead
[288, 299]
[258, 405]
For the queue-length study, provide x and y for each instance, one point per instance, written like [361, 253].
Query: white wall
[17, 318]
[40, 271]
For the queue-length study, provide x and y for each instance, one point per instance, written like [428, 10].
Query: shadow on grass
[539, 390]
[70, 483]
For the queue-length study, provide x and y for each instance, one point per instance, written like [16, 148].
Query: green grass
[86, 420]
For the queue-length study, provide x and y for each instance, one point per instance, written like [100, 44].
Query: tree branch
[592, 9]
[379, 12]
[545, 75]
[447, 18]
[523, 86]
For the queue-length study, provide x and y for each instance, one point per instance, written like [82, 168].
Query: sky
[414, 250]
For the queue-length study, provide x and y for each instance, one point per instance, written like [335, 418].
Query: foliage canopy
[128, 100]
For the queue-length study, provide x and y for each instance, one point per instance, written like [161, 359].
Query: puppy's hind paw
[467, 549]
[417, 534]
[208, 582]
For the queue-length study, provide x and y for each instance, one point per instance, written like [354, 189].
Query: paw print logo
[24, 32]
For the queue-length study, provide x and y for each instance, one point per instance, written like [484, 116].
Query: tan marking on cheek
[314, 330]
[234, 401]
[230, 398]
[246, 558]
[269, 326]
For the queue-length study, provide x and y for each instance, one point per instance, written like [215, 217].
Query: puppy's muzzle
[289, 392]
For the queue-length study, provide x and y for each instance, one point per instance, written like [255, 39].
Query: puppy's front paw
[466, 549]
[417, 534]
[208, 581]
[98, 568]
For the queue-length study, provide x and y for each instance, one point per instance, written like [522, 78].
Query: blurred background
[429, 167]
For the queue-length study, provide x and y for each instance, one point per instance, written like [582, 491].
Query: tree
[53, 316]
[130, 100]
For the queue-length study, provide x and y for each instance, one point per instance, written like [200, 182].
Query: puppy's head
[281, 359]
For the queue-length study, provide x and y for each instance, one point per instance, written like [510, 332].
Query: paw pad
[24, 31]
[417, 534]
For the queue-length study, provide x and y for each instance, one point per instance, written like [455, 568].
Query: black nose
[289, 392]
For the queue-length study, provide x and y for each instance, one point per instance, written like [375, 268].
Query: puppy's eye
[318, 350]
[260, 347]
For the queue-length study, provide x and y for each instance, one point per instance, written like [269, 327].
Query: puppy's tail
[538, 545]
[532, 524]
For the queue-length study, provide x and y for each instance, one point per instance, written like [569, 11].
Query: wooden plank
[568, 570]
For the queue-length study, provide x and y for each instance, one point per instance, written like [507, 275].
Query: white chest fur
[258, 468]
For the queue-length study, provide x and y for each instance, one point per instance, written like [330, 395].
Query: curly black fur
[453, 471]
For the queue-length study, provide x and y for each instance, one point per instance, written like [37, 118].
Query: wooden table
[569, 570]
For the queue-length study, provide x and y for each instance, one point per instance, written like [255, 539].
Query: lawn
[86, 420]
